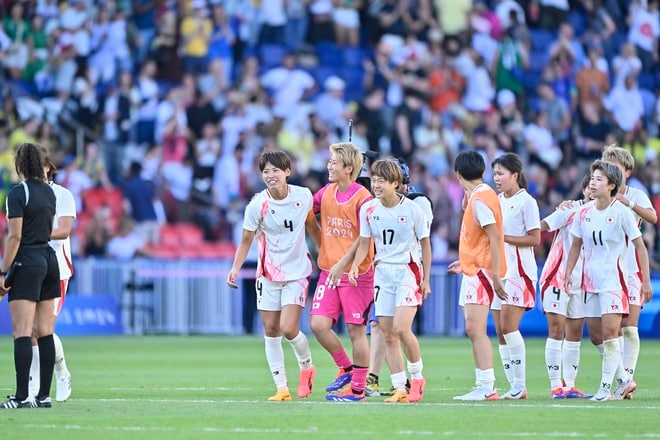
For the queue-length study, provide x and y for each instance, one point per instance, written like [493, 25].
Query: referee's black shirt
[37, 213]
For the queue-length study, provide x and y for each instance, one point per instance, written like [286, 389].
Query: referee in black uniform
[34, 274]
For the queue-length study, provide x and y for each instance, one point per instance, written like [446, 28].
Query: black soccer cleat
[13, 403]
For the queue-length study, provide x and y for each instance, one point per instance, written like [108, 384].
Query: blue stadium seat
[578, 21]
[352, 56]
[354, 78]
[531, 79]
[646, 81]
[321, 73]
[538, 60]
[542, 39]
[648, 98]
[271, 55]
[329, 54]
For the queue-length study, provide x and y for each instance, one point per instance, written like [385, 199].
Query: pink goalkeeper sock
[341, 359]
[359, 379]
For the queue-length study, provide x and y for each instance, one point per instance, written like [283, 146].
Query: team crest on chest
[298, 204]
[403, 219]
[609, 220]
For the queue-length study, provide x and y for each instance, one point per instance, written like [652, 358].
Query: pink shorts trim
[354, 302]
[59, 302]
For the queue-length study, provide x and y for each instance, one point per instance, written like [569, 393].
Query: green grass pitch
[197, 387]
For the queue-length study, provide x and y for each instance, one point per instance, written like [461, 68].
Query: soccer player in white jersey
[522, 231]
[401, 280]
[377, 346]
[642, 209]
[278, 217]
[564, 310]
[601, 230]
[65, 214]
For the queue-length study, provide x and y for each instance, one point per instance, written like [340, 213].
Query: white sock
[506, 363]
[399, 381]
[487, 378]
[516, 344]
[477, 374]
[415, 369]
[35, 378]
[553, 355]
[601, 349]
[630, 349]
[60, 362]
[611, 358]
[300, 346]
[275, 358]
[570, 362]
[621, 345]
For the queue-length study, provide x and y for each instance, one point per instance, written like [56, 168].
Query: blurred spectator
[625, 104]
[330, 106]
[128, 243]
[140, 199]
[626, 63]
[402, 143]
[600, 25]
[509, 63]
[503, 9]
[553, 13]
[15, 27]
[98, 233]
[645, 31]
[541, 146]
[144, 18]
[272, 17]
[558, 112]
[297, 20]
[346, 19]
[592, 83]
[453, 16]
[369, 118]
[446, 85]
[196, 29]
[510, 125]
[74, 179]
[222, 41]
[92, 164]
[287, 85]
[479, 90]
[568, 48]
[148, 93]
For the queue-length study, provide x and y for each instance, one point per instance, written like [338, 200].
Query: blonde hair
[388, 169]
[350, 155]
[614, 153]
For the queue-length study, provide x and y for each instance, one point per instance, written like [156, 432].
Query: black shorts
[38, 277]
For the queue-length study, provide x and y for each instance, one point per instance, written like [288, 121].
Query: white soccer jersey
[396, 230]
[629, 264]
[604, 234]
[554, 268]
[65, 206]
[280, 233]
[520, 214]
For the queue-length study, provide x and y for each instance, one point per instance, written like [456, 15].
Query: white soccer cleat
[517, 392]
[63, 389]
[602, 395]
[624, 388]
[479, 394]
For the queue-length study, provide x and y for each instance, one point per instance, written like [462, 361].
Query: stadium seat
[217, 250]
[354, 83]
[329, 54]
[271, 55]
[538, 59]
[163, 251]
[169, 236]
[352, 56]
[96, 198]
[190, 235]
[578, 21]
[646, 81]
[542, 39]
[648, 98]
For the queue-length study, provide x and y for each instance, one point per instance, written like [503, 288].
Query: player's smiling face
[599, 186]
[337, 171]
[505, 181]
[274, 178]
[381, 188]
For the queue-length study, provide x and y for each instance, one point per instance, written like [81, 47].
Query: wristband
[631, 204]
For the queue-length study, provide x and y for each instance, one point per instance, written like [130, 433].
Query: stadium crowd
[182, 97]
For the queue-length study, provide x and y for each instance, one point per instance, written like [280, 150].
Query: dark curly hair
[30, 161]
